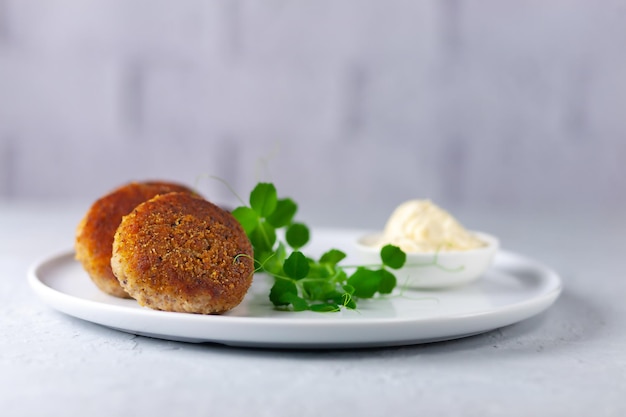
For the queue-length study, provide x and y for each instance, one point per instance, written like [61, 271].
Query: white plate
[514, 289]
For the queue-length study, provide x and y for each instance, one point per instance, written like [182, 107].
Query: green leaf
[365, 282]
[332, 257]
[318, 270]
[349, 289]
[392, 256]
[279, 294]
[298, 303]
[248, 218]
[341, 278]
[272, 262]
[324, 307]
[319, 290]
[263, 237]
[387, 282]
[296, 266]
[297, 235]
[283, 214]
[263, 199]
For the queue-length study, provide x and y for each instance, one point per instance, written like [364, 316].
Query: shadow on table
[572, 318]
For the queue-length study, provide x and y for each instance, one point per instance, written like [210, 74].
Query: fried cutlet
[178, 252]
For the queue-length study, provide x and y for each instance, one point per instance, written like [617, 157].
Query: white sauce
[421, 226]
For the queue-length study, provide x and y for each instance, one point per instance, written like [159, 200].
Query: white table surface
[568, 361]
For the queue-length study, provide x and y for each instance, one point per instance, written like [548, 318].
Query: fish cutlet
[95, 232]
[177, 252]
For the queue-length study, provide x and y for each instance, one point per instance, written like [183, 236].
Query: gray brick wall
[355, 101]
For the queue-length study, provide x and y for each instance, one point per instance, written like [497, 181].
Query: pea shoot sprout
[301, 282]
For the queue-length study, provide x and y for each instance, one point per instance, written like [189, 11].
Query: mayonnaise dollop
[421, 226]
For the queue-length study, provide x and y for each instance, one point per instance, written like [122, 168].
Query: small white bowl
[424, 270]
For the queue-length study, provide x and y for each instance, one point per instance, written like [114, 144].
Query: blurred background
[348, 106]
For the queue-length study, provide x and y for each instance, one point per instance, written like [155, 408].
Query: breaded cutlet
[177, 252]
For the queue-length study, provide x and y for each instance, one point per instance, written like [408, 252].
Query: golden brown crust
[177, 252]
[95, 232]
